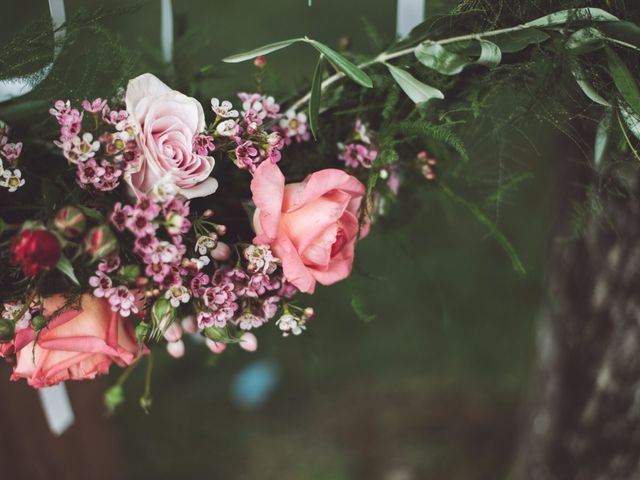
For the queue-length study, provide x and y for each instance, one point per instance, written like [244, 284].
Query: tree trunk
[583, 417]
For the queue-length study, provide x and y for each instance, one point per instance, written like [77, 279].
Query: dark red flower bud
[36, 251]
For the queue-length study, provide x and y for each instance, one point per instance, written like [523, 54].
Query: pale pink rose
[312, 226]
[75, 345]
[167, 122]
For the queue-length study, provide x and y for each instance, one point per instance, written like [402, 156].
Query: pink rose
[75, 345]
[311, 226]
[167, 123]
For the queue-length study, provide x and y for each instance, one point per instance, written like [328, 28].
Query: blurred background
[414, 368]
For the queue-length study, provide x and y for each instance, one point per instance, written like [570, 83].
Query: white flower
[12, 309]
[177, 294]
[294, 124]
[247, 321]
[261, 258]
[204, 244]
[361, 132]
[12, 180]
[227, 128]
[84, 147]
[289, 324]
[224, 109]
[1, 168]
[164, 190]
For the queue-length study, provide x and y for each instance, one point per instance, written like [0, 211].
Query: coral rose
[167, 123]
[312, 226]
[75, 345]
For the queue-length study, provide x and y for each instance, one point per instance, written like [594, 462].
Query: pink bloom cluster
[121, 299]
[101, 144]
[360, 150]
[10, 176]
[258, 132]
[244, 297]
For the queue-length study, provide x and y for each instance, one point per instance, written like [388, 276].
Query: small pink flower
[356, 154]
[203, 144]
[94, 107]
[89, 173]
[157, 271]
[123, 301]
[109, 264]
[11, 151]
[270, 307]
[148, 207]
[102, 284]
[140, 225]
[198, 284]
[120, 215]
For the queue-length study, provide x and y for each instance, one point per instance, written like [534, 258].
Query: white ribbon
[166, 30]
[16, 87]
[57, 408]
[410, 13]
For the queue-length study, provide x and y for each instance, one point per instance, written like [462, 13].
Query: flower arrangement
[146, 250]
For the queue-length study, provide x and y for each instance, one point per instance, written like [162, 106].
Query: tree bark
[583, 417]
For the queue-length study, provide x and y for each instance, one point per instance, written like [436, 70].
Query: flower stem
[145, 400]
[386, 56]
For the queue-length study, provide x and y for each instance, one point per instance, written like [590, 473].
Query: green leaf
[316, 95]
[448, 62]
[558, 18]
[585, 40]
[265, 49]
[519, 40]
[92, 213]
[588, 89]
[3, 226]
[624, 31]
[493, 229]
[490, 54]
[631, 119]
[341, 63]
[416, 90]
[624, 80]
[602, 138]
[357, 304]
[438, 58]
[64, 265]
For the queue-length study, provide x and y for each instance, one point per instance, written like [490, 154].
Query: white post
[410, 13]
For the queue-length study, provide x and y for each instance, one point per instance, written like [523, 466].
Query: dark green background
[430, 388]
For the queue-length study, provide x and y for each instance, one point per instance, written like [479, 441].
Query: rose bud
[189, 324]
[172, 333]
[248, 342]
[70, 222]
[36, 251]
[176, 349]
[222, 252]
[100, 242]
[260, 61]
[215, 347]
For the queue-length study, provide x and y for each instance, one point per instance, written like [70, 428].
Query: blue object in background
[253, 386]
